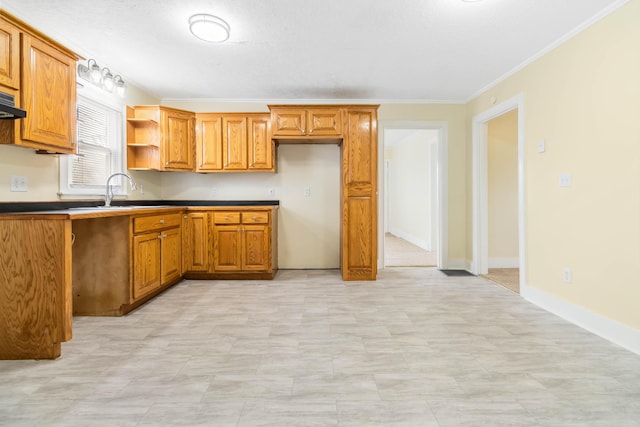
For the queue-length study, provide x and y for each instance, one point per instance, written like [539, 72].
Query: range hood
[8, 110]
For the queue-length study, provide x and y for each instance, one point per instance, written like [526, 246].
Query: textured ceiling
[378, 50]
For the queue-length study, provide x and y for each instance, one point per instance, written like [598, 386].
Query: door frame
[479, 142]
[442, 187]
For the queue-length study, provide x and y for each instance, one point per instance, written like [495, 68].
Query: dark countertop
[15, 207]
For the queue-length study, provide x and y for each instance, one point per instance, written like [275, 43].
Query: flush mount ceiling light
[209, 28]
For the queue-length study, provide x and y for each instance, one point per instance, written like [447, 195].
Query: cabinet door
[146, 264]
[255, 248]
[9, 55]
[359, 212]
[195, 231]
[49, 96]
[261, 148]
[288, 121]
[234, 143]
[324, 122]
[208, 142]
[178, 141]
[171, 255]
[227, 248]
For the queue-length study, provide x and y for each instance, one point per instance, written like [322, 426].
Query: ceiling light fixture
[101, 77]
[107, 79]
[120, 85]
[209, 28]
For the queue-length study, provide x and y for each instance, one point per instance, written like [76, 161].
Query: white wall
[308, 227]
[410, 186]
[502, 181]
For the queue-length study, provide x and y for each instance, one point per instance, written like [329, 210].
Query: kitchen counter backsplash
[11, 207]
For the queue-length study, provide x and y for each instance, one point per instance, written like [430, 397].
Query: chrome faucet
[109, 194]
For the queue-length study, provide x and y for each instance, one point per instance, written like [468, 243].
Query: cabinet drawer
[156, 222]
[226, 217]
[255, 217]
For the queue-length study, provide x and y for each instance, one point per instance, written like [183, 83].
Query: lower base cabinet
[235, 244]
[121, 262]
[157, 252]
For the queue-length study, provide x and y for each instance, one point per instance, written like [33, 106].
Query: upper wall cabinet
[9, 55]
[296, 121]
[160, 138]
[234, 142]
[41, 75]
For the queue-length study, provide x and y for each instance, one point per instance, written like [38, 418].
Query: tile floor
[401, 253]
[415, 348]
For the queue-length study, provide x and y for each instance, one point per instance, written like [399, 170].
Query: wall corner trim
[611, 330]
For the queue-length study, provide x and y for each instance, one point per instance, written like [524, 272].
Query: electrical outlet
[19, 183]
[214, 191]
[566, 275]
[541, 146]
[565, 180]
[307, 191]
[270, 191]
[141, 188]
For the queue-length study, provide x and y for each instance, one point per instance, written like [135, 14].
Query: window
[99, 135]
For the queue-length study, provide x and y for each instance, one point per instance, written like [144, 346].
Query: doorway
[502, 198]
[411, 157]
[498, 205]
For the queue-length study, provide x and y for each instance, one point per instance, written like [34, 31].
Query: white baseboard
[608, 329]
[411, 239]
[504, 262]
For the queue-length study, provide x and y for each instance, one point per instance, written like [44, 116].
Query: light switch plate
[541, 146]
[19, 183]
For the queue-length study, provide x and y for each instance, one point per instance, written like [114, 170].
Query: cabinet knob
[255, 218]
[166, 163]
[184, 216]
[226, 218]
[162, 221]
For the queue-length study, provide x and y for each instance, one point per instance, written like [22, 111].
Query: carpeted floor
[400, 253]
[507, 277]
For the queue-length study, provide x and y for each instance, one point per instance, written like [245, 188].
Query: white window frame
[111, 101]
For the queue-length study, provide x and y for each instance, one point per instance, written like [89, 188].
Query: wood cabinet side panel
[101, 266]
[35, 288]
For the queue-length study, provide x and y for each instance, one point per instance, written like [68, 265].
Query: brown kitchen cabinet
[160, 138]
[292, 122]
[208, 142]
[196, 241]
[234, 142]
[359, 194]
[157, 252]
[41, 75]
[241, 241]
[237, 243]
[35, 291]
[9, 55]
